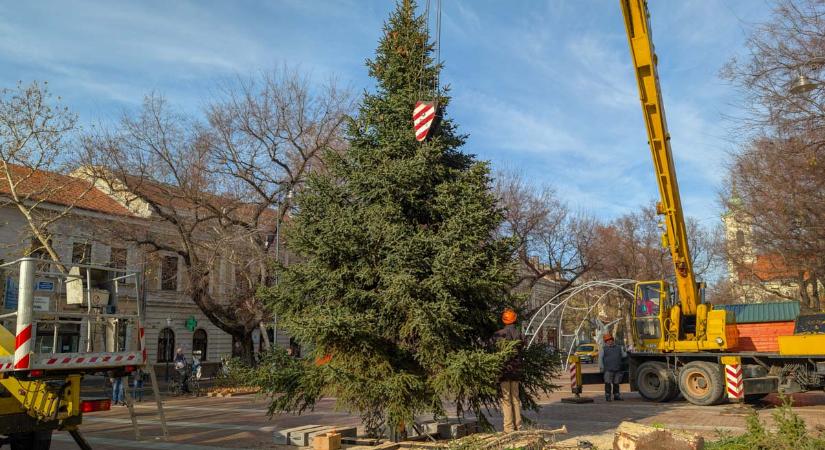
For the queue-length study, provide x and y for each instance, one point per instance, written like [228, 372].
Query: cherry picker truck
[682, 344]
[50, 342]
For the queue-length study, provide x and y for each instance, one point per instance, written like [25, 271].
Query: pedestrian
[610, 363]
[137, 385]
[511, 375]
[181, 369]
[117, 389]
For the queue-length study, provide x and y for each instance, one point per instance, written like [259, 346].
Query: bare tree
[217, 192]
[630, 247]
[779, 201]
[35, 131]
[777, 179]
[551, 241]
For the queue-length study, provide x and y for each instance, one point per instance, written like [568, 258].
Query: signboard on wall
[41, 304]
[45, 285]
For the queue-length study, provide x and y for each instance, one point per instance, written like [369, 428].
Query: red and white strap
[423, 116]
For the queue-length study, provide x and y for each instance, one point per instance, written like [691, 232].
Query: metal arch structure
[562, 300]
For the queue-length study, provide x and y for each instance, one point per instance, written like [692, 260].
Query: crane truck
[63, 325]
[682, 344]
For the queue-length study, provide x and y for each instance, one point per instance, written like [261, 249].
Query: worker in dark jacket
[511, 375]
[610, 362]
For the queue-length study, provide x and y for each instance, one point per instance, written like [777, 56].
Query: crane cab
[659, 324]
[648, 320]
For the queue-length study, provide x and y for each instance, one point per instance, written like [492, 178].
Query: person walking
[137, 385]
[610, 363]
[181, 367]
[117, 389]
[511, 375]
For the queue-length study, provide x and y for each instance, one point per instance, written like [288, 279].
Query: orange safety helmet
[607, 337]
[323, 360]
[508, 316]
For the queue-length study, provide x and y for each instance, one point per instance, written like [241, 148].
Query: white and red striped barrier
[733, 381]
[6, 363]
[22, 347]
[59, 361]
[574, 382]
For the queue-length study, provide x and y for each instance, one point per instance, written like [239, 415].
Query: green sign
[191, 323]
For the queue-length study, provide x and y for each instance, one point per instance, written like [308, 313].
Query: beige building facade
[171, 319]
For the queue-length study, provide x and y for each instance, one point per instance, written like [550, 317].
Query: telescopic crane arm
[670, 206]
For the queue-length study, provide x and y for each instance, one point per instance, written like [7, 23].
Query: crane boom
[674, 237]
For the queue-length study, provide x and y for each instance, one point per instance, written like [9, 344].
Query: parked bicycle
[187, 377]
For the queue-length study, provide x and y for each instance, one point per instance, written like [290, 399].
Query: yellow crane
[664, 323]
[682, 344]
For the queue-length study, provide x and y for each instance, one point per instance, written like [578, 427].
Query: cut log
[635, 436]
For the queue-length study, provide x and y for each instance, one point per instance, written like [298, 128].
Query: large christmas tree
[401, 279]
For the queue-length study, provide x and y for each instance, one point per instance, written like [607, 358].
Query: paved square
[241, 422]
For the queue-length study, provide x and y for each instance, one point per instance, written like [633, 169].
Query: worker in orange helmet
[511, 375]
[610, 363]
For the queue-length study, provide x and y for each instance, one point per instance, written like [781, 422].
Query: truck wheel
[655, 383]
[35, 440]
[702, 383]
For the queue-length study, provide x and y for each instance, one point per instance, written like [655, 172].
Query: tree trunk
[247, 347]
[265, 344]
[803, 291]
[815, 299]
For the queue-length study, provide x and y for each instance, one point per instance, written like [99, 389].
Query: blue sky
[544, 87]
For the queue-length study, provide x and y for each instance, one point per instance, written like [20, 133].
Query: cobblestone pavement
[241, 422]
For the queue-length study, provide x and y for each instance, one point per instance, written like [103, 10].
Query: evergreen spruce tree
[401, 279]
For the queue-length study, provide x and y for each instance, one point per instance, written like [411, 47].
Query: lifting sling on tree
[425, 113]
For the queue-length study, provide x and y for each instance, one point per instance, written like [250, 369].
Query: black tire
[702, 383]
[674, 388]
[655, 383]
[35, 440]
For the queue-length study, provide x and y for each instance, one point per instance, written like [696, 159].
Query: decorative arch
[561, 302]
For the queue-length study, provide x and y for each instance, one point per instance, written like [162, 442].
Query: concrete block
[634, 436]
[282, 436]
[301, 438]
[460, 429]
[456, 430]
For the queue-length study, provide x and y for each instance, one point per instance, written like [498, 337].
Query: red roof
[57, 189]
[768, 267]
[175, 197]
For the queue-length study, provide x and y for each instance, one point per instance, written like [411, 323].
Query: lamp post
[278, 260]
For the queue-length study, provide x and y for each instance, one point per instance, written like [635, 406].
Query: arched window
[740, 238]
[166, 345]
[199, 342]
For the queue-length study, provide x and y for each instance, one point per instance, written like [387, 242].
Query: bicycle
[175, 386]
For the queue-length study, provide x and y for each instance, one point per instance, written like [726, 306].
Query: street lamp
[802, 84]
